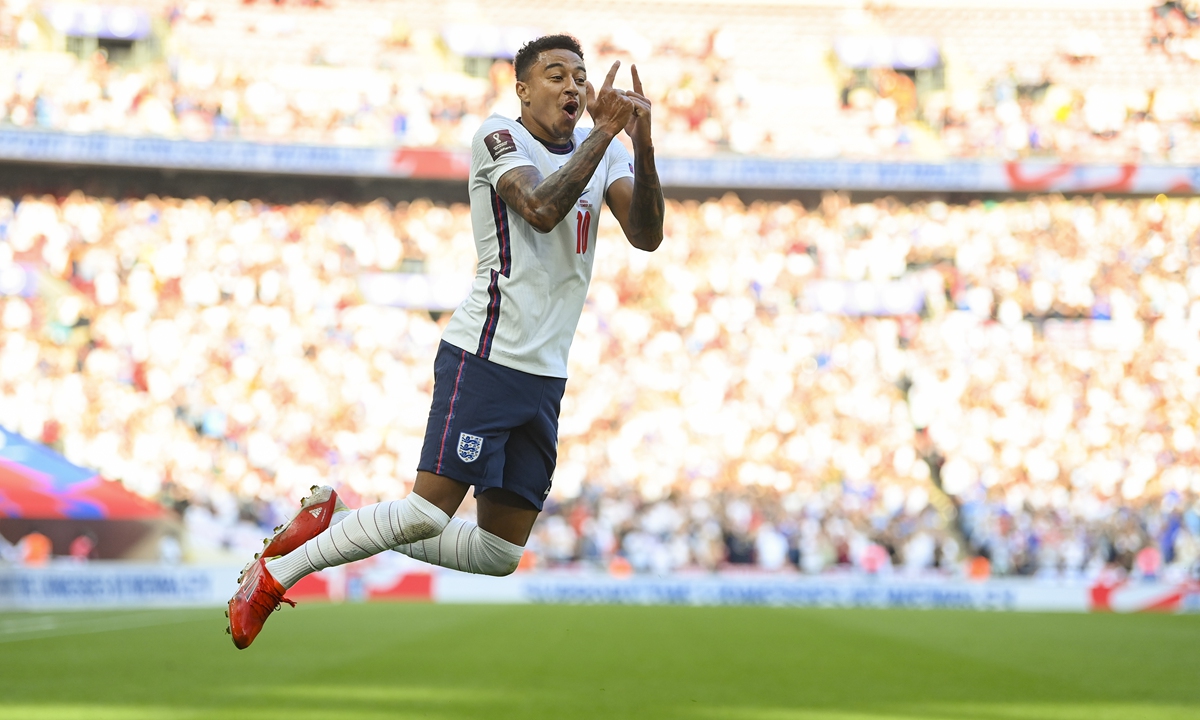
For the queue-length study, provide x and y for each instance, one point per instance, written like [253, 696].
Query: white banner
[121, 585]
[724, 171]
[1019, 594]
[114, 585]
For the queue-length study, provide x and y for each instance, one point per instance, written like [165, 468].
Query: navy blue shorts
[492, 426]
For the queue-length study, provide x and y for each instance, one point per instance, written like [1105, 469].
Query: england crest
[469, 447]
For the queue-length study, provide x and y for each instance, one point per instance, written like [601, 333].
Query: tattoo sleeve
[647, 208]
[543, 203]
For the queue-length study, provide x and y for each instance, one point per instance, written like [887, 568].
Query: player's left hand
[638, 127]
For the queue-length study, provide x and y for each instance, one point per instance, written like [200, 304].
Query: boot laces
[268, 601]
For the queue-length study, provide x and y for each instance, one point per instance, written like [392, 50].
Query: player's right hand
[610, 109]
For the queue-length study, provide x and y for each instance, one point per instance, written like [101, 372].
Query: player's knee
[416, 519]
[500, 564]
[507, 567]
[498, 557]
[423, 529]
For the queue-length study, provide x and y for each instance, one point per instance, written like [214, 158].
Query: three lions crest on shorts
[469, 447]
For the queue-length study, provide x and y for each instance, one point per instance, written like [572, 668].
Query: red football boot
[316, 512]
[256, 598]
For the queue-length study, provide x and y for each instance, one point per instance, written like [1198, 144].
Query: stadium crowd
[1004, 388]
[1174, 29]
[413, 94]
[1018, 114]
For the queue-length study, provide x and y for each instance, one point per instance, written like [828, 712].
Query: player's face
[554, 95]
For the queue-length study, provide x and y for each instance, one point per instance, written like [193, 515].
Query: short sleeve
[496, 149]
[617, 162]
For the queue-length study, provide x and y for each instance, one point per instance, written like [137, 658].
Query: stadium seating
[1031, 398]
[1115, 83]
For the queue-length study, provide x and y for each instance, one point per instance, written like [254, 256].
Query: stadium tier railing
[732, 172]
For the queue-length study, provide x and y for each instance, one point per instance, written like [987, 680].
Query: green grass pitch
[400, 661]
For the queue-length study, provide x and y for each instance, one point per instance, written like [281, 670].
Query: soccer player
[536, 186]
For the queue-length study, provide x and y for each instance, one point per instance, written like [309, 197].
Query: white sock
[466, 546]
[362, 533]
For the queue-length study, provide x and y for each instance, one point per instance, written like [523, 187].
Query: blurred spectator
[82, 547]
[1173, 29]
[35, 549]
[170, 551]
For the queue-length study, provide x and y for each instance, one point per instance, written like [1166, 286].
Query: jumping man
[536, 186]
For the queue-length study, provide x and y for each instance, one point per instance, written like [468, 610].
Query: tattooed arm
[544, 202]
[638, 203]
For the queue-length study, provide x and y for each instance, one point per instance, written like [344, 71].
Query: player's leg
[458, 384]
[374, 528]
[492, 547]
[363, 532]
[506, 514]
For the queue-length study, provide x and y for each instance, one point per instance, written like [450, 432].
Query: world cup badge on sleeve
[469, 447]
[499, 143]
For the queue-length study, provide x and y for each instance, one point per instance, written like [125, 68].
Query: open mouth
[571, 108]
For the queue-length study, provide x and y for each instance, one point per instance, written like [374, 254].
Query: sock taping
[361, 533]
[466, 546]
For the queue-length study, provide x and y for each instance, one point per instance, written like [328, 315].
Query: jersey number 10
[583, 226]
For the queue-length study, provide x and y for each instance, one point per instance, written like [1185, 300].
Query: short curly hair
[527, 56]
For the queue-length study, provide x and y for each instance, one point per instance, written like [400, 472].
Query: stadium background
[801, 378]
[928, 307]
[924, 333]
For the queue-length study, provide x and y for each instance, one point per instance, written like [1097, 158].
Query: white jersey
[530, 287]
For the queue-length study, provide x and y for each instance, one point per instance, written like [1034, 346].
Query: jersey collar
[565, 149]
